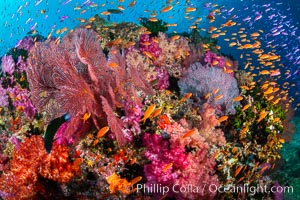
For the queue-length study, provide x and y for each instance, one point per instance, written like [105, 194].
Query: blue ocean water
[277, 20]
[20, 17]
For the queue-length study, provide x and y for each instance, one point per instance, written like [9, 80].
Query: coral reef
[146, 107]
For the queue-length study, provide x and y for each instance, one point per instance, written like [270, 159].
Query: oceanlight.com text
[213, 188]
[252, 190]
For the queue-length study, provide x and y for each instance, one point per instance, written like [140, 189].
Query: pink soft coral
[207, 126]
[160, 155]
[211, 57]
[148, 44]
[199, 174]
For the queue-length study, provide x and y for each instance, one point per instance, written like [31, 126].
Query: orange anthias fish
[218, 97]
[223, 118]
[175, 37]
[238, 98]
[136, 180]
[102, 132]
[186, 97]
[148, 112]
[148, 54]
[245, 107]
[264, 72]
[166, 167]
[166, 9]
[262, 115]
[189, 133]
[113, 64]
[86, 116]
[190, 9]
[156, 112]
[238, 170]
[207, 96]
[105, 13]
[132, 3]
[269, 91]
[216, 90]
[153, 19]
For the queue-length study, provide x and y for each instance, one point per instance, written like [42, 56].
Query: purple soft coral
[8, 64]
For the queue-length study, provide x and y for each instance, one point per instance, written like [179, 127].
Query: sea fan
[76, 97]
[203, 80]
[53, 86]
[115, 123]
[90, 52]
[75, 77]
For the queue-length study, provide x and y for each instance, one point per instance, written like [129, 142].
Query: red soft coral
[31, 162]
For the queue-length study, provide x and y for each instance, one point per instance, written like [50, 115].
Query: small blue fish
[63, 18]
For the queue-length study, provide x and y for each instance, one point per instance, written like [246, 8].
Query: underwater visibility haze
[133, 99]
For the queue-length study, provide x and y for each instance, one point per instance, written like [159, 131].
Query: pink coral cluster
[174, 51]
[148, 44]
[211, 57]
[195, 168]
[200, 175]
[160, 155]
[207, 126]
[162, 79]
[178, 129]
[133, 114]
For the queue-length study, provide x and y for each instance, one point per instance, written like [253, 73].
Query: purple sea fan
[8, 64]
[202, 80]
